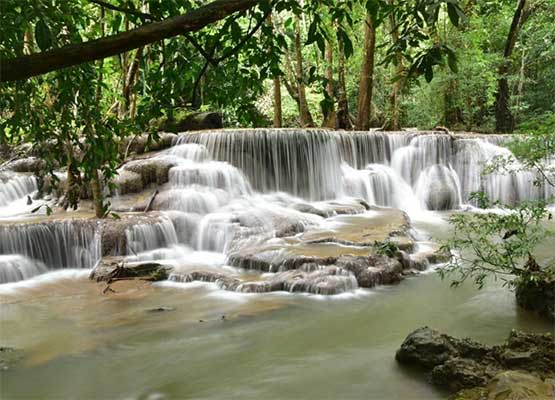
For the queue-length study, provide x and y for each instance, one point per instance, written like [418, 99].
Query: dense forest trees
[79, 77]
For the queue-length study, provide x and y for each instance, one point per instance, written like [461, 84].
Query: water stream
[233, 190]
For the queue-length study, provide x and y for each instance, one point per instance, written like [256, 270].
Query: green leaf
[43, 35]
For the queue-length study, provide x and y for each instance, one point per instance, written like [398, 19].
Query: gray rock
[515, 385]
[456, 364]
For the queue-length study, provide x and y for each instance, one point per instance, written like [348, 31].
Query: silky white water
[233, 189]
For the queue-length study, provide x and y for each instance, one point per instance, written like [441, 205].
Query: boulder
[510, 385]
[28, 164]
[427, 348]
[515, 385]
[128, 182]
[200, 121]
[457, 364]
[325, 280]
[151, 170]
[222, 280]
[457, 373]
[372, 270]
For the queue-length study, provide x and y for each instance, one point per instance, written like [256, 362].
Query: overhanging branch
[40, 63]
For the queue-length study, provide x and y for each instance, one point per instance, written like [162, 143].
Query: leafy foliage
[503, 242]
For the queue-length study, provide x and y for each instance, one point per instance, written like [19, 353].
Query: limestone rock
[372, 270]
[515, 385]
[426, 347]
[28, 164]
[151, 170]
[456, 364]
[201, 121]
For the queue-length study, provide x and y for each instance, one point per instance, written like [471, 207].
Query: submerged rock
[457, 364]
[9, 357]
[160, 309]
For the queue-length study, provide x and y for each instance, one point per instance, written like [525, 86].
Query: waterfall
[14, 268]
[232, 189]
[318, 164]
[14, 189]
[56, 244]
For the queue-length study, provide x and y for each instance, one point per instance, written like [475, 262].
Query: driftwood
[151, 201]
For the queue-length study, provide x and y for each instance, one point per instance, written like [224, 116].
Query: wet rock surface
[116, 268]
[311, 278]
[457, 364]
[345, 240]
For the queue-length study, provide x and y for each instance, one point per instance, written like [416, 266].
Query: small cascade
[14, 268]
[379, 185]
[438, 188]
[57, 244]
[145, 237]
[304, 163]
[14, 187]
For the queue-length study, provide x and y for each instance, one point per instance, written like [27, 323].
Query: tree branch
[143, 16]
[40, 63]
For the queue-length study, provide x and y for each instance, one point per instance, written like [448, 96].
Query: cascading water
[234, 189]
[15, 267]
[14, 191]
[311, 164]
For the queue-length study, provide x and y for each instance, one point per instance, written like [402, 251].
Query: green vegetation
[504, 243]
[77, 78]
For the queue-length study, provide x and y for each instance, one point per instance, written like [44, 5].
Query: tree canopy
[77, 78]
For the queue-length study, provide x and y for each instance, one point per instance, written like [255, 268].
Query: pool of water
[210, 344]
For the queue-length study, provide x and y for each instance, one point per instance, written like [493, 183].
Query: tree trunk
[304, 112]
[72, 179]
[278, 119]
[129, 81]
[24, 67]
[96, 189]
[366, 76]
[504, 120]
[393, 122]
[330, 117]
[343, 121]
[452, 115]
